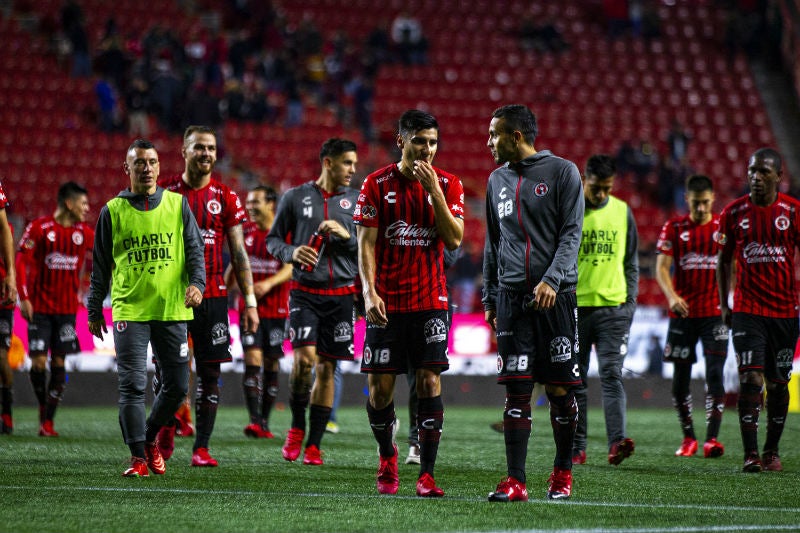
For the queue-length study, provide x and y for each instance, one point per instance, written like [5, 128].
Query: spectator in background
[73, 26]
[678, 142]
[408, 39]
[543, 37]
[107, 105]
[137, 104]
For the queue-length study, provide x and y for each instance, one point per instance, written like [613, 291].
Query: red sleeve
[455, 196]
[237, 215]
[366, 213]
[665, 241]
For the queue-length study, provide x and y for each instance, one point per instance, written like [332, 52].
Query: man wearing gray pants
[608, 279]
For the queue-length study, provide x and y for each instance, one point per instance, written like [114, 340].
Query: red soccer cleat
[713, 448]
[138, 468]
[165, 440]
[688, 447]
[388, 480]
[579, 457]
[752, 463]
[153, 458]
[313, 456]
[620, 450]
[6, 424]
[509, 490]
[294, 441]
[257, 432]
[426, 487]
[184, 418]
[560, 484]
[201, 457]
[46, 429]
[771, 461]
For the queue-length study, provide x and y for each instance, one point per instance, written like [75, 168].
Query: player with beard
[50, 260]
[408, 212]
[270, 285]
[760, 233]
[321, 312]
[220, 216]
[686, 272]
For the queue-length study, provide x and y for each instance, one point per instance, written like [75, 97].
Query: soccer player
[8, 299]
[534, 210]
[220, 216]
[608, 283]
[760, 232]
[149, 250]
[270, 285]
[50, 259]
[321, 312]
[686, 272]
[408, 212]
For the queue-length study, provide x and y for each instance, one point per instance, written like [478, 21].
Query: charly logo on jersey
[782, 223]
[214, 207]
[684, 236]
[345, 203]
[342, 332]
[51, 236]
[219, 333]
[560, 350]
[435, 331]
[745, 223]
[391, 197]
[541, 189]
[77, 238]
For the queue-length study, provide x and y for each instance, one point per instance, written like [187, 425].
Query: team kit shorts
[683, 334]
[407, 342]
[6, 327]
[541, 346]
[322, 320]
[268, 337]
[210, 331]
[53, 333]
[765, 344]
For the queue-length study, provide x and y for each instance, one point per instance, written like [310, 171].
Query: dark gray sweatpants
[171, 349]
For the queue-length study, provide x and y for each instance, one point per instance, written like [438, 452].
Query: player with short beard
[408, 213]
[220, 216]
[760, 233]
[686, 272]
[50, 260]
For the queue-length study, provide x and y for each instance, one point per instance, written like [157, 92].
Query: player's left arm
[244, 276]
[632, 261]
[266, 285]
[449, 227]
[8, 288]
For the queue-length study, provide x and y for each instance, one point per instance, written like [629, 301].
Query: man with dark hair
[533, 216]
[220, 216]
[408, 212]
[760, 232]
[314, 230]
[50, 260]
[270, 285]
[608, 283]
[686, 272]
[149, 251]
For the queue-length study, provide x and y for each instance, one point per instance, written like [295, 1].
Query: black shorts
[53, 333]
[324, 321]
[684, 333]
[6, 327]
[268, 337]
[541, 346]
[409, 341]
[210, 331]
[765, 344]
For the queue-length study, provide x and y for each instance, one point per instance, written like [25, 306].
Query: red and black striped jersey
[409, 255]
[3, 270]
[274, 304]
[693, 248]
[217, 208]
[762, 241]
[53, 256]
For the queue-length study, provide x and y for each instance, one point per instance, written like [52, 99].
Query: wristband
[250, 300]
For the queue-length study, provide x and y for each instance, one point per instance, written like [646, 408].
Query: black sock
[777, 407]
[268, 396]
[517, 428]
[381, 422]
[318, 417]
[430, 420]
[206, 403]
[39, 382]
[564, 419]
[55, 391]
[749, 407]
[298, 402]
[251, 384]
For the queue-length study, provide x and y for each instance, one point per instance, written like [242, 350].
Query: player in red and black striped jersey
[8, 300]
[50, 260]
[686, 272]
[270, 278]
[760, 232]
[408, 213]
[220, 216]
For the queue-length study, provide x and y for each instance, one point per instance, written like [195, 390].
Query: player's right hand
[98, 327]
